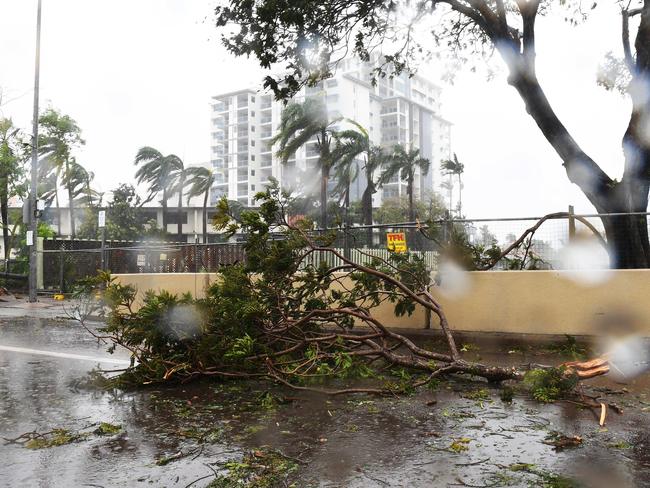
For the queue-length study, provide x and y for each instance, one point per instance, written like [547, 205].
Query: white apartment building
[399, 110]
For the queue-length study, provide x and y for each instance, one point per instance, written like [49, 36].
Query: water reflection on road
[344, 441]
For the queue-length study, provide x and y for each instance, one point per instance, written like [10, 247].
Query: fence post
[572, 224]
[346, 241]
[61, 267]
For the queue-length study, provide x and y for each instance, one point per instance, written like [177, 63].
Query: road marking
[65, 355]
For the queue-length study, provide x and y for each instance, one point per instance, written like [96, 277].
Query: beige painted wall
[533, 302]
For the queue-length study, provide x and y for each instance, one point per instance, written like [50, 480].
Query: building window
[172, 217]
[252, 98]
[252, 187]
[252, 113]
[252, 172]
[252, 157]
[252, 128]
[252, 142]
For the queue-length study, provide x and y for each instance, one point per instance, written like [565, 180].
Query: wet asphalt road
[344, 442]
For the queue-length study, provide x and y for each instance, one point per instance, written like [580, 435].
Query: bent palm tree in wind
[356, 143]
[404, 163]
[455, 167]
[300, 123]
[157, 171]
[200, 180]
[178, 177]
[60, 136]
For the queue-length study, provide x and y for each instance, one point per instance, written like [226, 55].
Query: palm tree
[77, 179]
[60, 135]
[200, 180]
[300, 123]
[403, 163]
[357, 142]
[449, 186]
[455, 167]
[178, 177]
[12, 172]
[157, 171]
[346, 171]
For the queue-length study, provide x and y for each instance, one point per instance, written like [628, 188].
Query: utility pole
[33, 206]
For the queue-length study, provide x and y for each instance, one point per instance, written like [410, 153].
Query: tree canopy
[307, 38]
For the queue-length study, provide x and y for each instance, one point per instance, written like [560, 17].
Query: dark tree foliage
[306, 38]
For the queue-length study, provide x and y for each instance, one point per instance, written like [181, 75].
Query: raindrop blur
[183, 322]
[453, 281]
[628, 358]
[586, 262]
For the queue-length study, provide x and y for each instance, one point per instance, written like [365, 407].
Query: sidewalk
[45, 307]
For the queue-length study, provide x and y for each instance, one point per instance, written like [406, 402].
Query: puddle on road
[174, 436]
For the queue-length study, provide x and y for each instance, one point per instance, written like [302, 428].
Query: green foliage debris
[548, 385]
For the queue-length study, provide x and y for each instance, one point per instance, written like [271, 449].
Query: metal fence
[66, 261]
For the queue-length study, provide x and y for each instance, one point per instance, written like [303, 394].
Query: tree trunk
[460, 197]
[627, 235]
[179, 228]
[4, 211]
[164, 210]
[71, 205]
[325, 176]
[409, 191]
[58, 207]
[366, 207]
[205, 217]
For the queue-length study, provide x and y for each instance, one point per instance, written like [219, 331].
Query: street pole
[33, 211]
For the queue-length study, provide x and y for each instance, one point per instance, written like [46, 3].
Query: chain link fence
[67, 261]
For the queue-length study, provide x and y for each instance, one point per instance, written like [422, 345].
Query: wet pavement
[460, 434]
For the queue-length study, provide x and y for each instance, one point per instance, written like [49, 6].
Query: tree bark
[325, 175]
[205, 217]
[164, 210]
[58, 208]
[409, 191]
[366, 207]
[179, 228]
[4, 210]
[627, 235]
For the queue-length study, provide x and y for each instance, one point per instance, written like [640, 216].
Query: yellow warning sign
[396, 241]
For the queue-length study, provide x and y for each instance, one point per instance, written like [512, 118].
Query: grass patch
[569, 348]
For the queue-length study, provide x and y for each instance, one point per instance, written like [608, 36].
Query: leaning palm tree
[455, 167]
[78, 180]
[59, 137]
[449, 186]
[200, 180]
[178, 183]
[357, 143]
[404, 163]
[346, 170]
[157, 171]
[300, 123]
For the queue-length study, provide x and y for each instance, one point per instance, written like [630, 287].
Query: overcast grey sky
[141, 72]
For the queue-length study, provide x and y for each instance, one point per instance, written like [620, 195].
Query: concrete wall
[532, 302]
